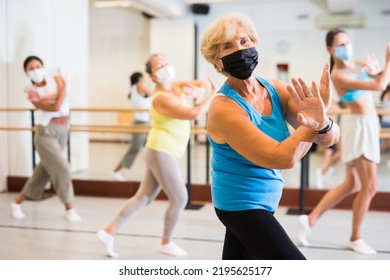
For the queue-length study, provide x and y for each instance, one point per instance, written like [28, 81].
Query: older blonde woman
[251, 142]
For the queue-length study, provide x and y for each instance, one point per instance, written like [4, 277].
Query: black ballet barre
[133, 129]
[195, 130]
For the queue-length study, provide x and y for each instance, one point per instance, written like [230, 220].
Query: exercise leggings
[256, 234]
[162, 172]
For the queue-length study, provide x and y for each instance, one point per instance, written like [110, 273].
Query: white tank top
[140, 102]
[44, 117]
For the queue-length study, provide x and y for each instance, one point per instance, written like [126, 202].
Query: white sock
[304, 230]
[108, 241]
[359, 246]
[319, 179]
[17, 212]
[71, 215]
[118, 176]
[172, 250]
[330, 171]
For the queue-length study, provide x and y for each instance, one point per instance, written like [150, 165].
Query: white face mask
[344, 53]
[37, 75]
[166, 74]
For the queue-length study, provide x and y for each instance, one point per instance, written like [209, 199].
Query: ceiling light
[111, 4]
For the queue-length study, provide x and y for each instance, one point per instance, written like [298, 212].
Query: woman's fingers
[294, 95]
[325, 77]
[305, 88]
[315, 90]
[298, 89]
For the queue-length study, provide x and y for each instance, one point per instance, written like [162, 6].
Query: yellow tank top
[168, 135]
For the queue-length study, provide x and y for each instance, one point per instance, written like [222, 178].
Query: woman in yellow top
[166, 142]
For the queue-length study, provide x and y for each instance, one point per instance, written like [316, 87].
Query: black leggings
[256, 234]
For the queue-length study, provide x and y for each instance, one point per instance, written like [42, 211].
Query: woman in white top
[48, 95]
[140, 99]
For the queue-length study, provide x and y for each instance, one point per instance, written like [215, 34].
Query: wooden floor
[46, 235]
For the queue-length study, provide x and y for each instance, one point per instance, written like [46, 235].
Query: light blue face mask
[344, 53]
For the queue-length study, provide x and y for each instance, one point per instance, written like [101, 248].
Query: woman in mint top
[354, 82]
[251, 144]
[166, 143]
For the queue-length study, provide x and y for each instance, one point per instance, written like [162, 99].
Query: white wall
[121, 40]
[56, 31]
[3, 98]
[278, 21]
[71, 54]
[176, 39]
[119, 45]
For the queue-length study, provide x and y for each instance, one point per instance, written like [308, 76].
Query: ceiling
[178, 8]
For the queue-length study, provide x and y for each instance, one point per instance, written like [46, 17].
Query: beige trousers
[50, 142]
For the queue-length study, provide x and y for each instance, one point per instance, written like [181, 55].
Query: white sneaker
[108, 242]
[172, 249]
[47, 186]
[17, 212]
[359, 246]
[71, 215]
[330, 171]
[319, 179]
[118, 176]
[304, 230]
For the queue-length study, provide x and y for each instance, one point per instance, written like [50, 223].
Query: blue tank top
[354, 94]
[237, 183]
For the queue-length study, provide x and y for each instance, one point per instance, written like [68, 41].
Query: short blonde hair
[221, 30]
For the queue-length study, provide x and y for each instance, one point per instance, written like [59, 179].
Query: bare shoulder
[280, 86]
[281, 89]
[224, 116]
[222, 105]
[164, 100]
[225, 111]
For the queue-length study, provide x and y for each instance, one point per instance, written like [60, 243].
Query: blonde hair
[221, 30]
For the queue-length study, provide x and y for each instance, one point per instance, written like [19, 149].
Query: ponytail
[331, 64]
[329, 42]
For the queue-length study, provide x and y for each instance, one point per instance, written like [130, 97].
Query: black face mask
[241, 64]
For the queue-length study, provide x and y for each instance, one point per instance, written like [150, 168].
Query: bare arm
[170, 106]
[49, 96]
[53, 107]
[197, 83]
[229, 123]
[304, 108]
[344, 82]
[298, 113]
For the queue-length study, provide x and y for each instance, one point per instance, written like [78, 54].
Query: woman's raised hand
[372, 65]
[388, 52]
[310, 104]
[32, 94]
[194, 91]
[325, 87]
